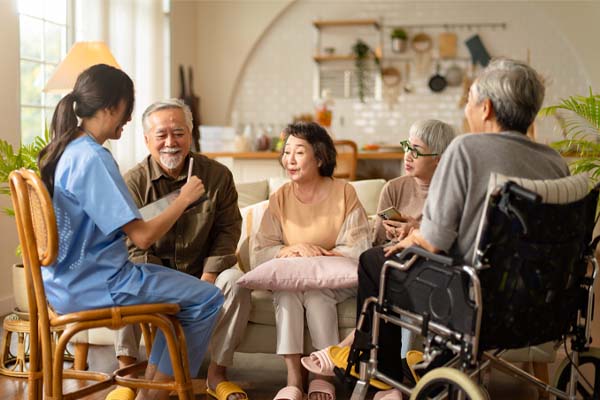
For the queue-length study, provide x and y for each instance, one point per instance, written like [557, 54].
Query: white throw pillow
[251, 218]
[368, 192]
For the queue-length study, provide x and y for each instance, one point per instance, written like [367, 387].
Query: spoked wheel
[449, 381]
[589, 365]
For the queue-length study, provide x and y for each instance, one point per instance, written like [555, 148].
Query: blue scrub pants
[200, 304]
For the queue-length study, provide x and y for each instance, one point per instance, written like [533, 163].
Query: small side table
[16, 365]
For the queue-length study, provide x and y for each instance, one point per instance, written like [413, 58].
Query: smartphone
[391, 214]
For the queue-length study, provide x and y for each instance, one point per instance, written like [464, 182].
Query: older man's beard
[171, 157]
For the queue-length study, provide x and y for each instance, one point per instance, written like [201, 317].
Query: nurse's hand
[192, 190]
[209, 277]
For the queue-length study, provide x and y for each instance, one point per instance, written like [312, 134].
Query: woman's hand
[304, 250]
[192, 190]
[397, 230]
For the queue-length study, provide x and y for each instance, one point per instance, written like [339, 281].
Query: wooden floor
[262, 375]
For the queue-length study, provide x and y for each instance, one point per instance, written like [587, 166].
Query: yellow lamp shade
[81, 56]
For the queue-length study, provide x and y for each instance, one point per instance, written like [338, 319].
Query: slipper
[121, 393]
[321, 386]
[318, 362]
[289, 393]
[414, 357]
[339, 356]
[224, 389]
[393, 394]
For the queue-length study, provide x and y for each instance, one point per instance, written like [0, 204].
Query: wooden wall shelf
[346, 22]
[335, 57]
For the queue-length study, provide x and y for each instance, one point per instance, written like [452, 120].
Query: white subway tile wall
[278, 81]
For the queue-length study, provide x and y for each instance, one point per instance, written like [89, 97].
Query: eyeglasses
[407, 148]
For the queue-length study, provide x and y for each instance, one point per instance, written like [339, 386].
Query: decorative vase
[398, 45]
[20, 289]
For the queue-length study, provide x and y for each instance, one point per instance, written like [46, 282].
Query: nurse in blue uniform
[94, 213]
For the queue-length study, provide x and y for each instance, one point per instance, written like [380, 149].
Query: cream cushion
[252, 192]
[368, 193]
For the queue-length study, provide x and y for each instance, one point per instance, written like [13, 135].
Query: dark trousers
[390, 335]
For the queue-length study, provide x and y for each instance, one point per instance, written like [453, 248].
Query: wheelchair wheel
[589, 365]
[457, 384]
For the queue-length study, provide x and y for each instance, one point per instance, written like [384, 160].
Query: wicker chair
[36, 225]
[347, 159]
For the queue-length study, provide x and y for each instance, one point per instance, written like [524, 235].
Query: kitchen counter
[272, 155]
[255, 165]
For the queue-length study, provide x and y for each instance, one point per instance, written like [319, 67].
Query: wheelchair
[531, 282]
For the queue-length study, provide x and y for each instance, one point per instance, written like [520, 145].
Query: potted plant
[399, 39]
[579, 118]
[361, 52]
[25, 156]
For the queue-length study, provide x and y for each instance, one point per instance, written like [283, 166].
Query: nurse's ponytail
[98, 87]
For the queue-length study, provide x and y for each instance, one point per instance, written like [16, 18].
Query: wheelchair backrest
[531, 257]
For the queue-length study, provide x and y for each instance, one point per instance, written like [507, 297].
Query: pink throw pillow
[302, 273]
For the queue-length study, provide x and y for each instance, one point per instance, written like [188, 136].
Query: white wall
[9, 115]
[216, 38]
[256, 59]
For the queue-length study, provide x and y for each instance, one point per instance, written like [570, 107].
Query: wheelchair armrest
[421, 252]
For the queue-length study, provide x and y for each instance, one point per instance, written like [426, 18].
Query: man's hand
[209, 277]
[397, 247]
[414, 238]
[192, 190]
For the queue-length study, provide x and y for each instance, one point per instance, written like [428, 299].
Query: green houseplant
[361, 52]
[579, 118]
[399, 38]
[24, 156]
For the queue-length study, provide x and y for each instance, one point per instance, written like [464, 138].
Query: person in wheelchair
[503, 103]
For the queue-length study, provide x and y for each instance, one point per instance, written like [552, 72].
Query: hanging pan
[437, 82]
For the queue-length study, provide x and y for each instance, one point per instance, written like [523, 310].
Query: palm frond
[579, 118]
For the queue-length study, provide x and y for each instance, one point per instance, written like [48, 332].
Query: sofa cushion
[251, 217]
[368, 192]
[252, 192]
[302, 273]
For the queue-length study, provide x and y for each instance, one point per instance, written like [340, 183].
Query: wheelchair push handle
[439, 258]
[528, 195]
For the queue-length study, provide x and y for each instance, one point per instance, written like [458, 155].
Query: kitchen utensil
[421, 42]
[408, 87]
[478, 52]
[454, 75]
[437, 82]
[447, 44]
[391, 78]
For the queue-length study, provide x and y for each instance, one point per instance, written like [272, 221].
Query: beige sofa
[260, 335]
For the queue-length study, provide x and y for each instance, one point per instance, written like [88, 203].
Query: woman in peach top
[312, 215]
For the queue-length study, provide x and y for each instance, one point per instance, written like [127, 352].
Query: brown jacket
[205, 237]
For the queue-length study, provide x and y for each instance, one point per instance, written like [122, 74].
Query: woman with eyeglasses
[427, 140]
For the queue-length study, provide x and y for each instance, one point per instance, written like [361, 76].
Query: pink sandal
[319, 362]
[392, 394]
[321, 386]
[289, 393]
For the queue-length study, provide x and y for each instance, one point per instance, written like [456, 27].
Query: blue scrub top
[92, 203]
